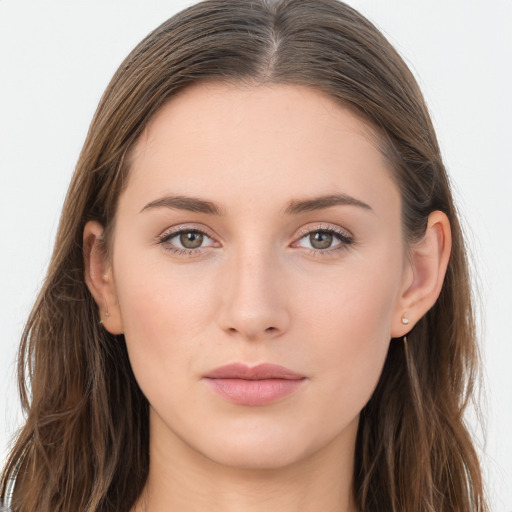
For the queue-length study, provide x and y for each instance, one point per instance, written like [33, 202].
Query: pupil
[321, 240]
[191, 239]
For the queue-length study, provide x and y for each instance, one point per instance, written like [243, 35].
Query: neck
[181, 478]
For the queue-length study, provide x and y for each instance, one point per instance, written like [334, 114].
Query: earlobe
[99, 278]
[425, 275]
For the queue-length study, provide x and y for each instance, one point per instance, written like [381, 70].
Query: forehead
[265, 141]
[212, 104]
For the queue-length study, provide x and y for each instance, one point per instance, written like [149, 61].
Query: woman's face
[259, 225]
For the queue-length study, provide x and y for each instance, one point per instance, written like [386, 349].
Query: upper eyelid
[175, 230]
[303, 231]
[325, 227]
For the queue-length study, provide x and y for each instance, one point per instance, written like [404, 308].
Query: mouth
[253, 386]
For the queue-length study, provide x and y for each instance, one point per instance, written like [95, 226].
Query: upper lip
[259, 372]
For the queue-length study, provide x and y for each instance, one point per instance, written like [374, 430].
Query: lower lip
[254, 392]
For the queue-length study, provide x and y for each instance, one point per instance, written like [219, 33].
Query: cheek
[164, 319]
[156, 311]
[355, 303]
[349, 326]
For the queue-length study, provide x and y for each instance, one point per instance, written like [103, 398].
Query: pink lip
[257, 385]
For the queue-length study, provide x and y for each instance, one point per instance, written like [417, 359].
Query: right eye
[185, 241]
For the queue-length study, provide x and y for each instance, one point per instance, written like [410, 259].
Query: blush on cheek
[144, 324]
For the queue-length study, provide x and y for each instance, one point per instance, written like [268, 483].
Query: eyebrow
[195, 204]
[319, 203]
[191, 204]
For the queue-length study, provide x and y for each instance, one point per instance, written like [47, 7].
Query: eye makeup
[329, 238]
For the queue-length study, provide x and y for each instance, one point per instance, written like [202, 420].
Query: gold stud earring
[405, 320]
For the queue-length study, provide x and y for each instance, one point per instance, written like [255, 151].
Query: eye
[185, 241]
[190, 239]
[321, 239]
[325, 240]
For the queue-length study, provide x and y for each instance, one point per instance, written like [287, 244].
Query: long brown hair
[85, 444]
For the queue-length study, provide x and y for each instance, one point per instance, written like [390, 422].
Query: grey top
[6, 506]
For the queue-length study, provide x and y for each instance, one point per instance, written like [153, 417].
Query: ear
[424, 274]
[99, 278]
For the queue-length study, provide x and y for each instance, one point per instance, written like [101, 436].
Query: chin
[267, 450]
[257, 456]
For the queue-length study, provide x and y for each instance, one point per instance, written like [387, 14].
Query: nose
[254, 298]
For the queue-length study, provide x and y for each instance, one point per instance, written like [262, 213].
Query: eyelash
[168, 235]
[344, 238]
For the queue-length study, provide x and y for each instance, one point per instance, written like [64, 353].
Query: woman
[259, 293]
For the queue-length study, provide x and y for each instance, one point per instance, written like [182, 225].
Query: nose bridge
[254, 304]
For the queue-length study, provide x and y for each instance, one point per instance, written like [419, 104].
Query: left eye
[323, 239]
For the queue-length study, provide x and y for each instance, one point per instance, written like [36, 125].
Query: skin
[260, 290]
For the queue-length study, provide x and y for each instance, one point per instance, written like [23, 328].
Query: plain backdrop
[56, 58]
